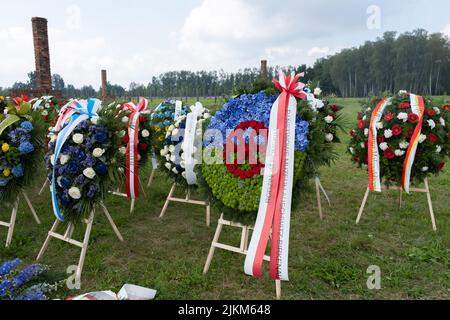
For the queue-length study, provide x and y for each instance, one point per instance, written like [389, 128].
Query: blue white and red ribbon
[72, 114]
[276, 196]
[132, 154]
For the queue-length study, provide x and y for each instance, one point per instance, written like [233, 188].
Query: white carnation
[384, 146]
[75, 193]
[123, 150]
[329, 119]
[404, 145]
[388, 133]
[431, 124]
[171, 128]
[95, 120]
[352, 151]
[379, 125]
[44, 113]
[172, 149]
[122, 133]
[98, 152]
[174, 170]
[206, 116]
[168, 166]
[438, 149]
[403, 92]
[164, 151]
[402, 116]
[363, 146]
[425, 169]
[145, 133]
[125, 120]
[437, 110]
[399, 153]
[442, 121]
[78, 138]
[422, 138]
[366, 132]
[89, 173]
[175, 132]
[317, 91]
[173, 159]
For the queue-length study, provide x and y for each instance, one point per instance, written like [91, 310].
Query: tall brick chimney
[264, 72]
[42, 55]
[104, 85]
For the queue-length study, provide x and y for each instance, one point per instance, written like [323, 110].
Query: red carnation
[413, 118]
[142, 119]
[389, 117]
[334, 108]
[143, 147]
[356, 159]
[353, 133]
[380, 139]
[366, 144]
[126, 139]
[430, 112]
[441, 166]
[396, 130]
[252, 124]
[361, 124]
[447, 107]
[360, 115]
[389, 153]
[231, 168]
[433, 138]
[448, 135]
[404, 105]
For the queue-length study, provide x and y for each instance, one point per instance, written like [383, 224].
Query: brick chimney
[104, 85]
[264, 72]
[42, 55]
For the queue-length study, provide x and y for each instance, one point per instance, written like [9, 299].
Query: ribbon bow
[73, 113]
[275, 204]
[132, 154]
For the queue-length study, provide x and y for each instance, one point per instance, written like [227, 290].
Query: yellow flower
[2, 98]
[6, 172]
[161, 139]
[157, 129]
[5, 147]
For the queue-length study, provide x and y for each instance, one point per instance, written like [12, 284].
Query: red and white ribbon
[276, 196]
[132, 154]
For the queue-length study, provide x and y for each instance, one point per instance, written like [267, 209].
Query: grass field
[328, 259]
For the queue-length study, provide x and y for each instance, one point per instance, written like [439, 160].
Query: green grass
[328, 259]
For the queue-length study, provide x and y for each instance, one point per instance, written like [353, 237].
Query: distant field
[328, 259]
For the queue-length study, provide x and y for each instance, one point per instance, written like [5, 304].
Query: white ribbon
[189, 141]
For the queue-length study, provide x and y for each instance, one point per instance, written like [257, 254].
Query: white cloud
[446, 30]
[318, 52]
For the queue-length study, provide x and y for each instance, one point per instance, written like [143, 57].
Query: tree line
[416, 61]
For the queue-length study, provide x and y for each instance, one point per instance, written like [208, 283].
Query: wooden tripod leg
[430, 204]
[363, 205]
[213, 245]
[43, 187]
[142, 187]
[319, 202]
[12, 223]
[133, 202]
[47, 241]
[166, 205]
[87, 236]
[152, 176]
[278, 289]
[111, 221]
[33, 212]
[208, 215]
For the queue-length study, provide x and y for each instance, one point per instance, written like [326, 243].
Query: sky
[138, 39]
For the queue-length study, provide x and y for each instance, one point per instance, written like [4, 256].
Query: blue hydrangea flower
[27, 125]
[8, 266]
[92, 192]
[4, 182]
[26, 147]
[17, 171]
[250, 107]
[73, 167]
